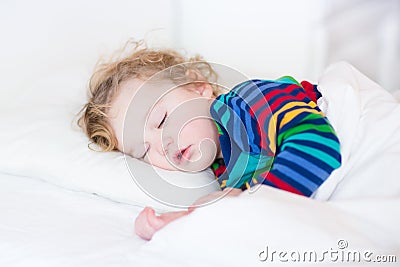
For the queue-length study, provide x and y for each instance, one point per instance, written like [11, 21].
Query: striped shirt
[272, 132]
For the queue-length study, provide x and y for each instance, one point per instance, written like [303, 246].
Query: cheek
[155, 159]
[201, 132]
[200, 128]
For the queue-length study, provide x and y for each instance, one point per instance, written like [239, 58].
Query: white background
[44, 39]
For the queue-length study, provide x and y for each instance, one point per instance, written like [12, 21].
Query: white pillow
[39, 139]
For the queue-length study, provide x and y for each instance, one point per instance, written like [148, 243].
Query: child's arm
[306, 155]
[307, 148]
[277, 136]
[148, 223]
[228, 191]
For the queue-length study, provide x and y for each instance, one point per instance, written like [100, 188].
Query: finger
[142, 225]
[155, 221]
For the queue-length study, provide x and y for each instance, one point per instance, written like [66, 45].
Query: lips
[183, 154]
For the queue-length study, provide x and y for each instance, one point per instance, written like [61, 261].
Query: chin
[198, 166]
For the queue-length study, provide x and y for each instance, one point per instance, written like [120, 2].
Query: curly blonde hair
[142, 63]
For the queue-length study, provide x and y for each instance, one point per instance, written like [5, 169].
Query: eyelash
[159, 126]
[145, 153]
[162, 121]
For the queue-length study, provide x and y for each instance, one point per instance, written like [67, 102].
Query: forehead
[130, 107]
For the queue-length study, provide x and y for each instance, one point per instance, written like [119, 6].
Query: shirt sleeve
[307, 149]
[278, 136]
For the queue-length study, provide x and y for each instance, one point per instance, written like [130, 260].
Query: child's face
[166, 126]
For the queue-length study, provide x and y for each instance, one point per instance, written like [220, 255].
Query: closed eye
[145, 153]
[162, 121]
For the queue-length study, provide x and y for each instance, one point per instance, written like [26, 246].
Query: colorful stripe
[272, 132]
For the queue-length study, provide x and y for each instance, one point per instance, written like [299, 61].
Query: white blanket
[367, 120]
[44, 225]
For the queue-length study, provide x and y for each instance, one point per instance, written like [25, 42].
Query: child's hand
[147, 223]
[229, 191]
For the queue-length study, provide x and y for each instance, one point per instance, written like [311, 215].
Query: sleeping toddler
[162, 108]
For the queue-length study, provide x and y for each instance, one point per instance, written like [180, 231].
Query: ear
[204, 89]
[200, 84]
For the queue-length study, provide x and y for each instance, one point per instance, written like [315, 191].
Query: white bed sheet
[45, 225]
